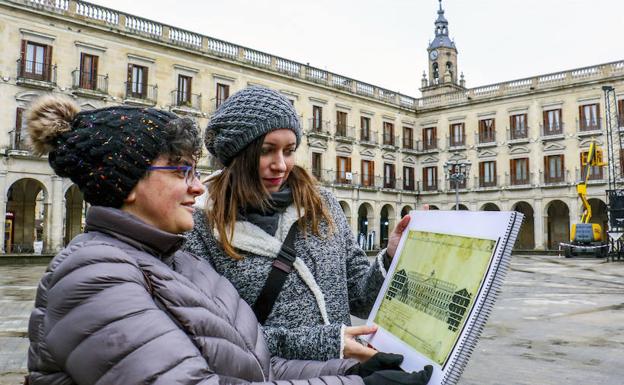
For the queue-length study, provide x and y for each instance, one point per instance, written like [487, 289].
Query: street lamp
[456, 170]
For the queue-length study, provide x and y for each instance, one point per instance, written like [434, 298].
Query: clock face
[433, 54]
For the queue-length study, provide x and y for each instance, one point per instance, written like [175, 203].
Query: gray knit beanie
[246, 116]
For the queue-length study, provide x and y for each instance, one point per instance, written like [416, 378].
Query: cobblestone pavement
[558, 321]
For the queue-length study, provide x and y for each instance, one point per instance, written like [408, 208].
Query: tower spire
[441, 31]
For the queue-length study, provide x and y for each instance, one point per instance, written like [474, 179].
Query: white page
[484, 225]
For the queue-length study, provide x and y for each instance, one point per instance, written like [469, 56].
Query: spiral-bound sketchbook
[441, 287]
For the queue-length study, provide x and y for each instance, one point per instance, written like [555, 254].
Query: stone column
[55, 218]
[540, 218]
[3, 203]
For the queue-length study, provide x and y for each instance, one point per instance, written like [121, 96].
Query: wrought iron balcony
[519, 181]
[485, 139]
[141, 92]
[37, 74]
[518, 134]
[318, 127]
[368, 137]
[89, 82]
[390, 140]
[589, 125]
[552, 130]
[430, 145]
[345, 133]
[186, 100]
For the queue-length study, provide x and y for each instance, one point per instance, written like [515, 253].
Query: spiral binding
[485, 302]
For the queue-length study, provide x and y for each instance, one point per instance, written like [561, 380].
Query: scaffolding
[615, 192]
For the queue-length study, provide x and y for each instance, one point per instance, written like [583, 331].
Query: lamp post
[456, 170]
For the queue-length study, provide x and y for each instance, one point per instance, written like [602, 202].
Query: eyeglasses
[189, 172]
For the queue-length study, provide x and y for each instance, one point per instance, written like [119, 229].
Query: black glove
[399, 377]
[380, 361]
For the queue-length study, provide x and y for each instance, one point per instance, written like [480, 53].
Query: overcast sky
[384, 42]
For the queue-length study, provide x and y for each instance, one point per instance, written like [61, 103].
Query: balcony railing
[595, 174]
[368, 137]
[38, 71]
[19, 140]
[452, 142]
[346, 179]
[485, 138]
[410, 144]
[589, 125]
[186, 100]
[345, 132]
[389, 140]
[430, 145]
[430, 187]
[316, 126]
[140, 91]
[518, 181]
[89, 81]
[518, 134]
[482, 182]
[553, 129]
[560, 177]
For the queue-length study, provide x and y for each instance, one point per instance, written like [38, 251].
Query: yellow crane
[586, 237]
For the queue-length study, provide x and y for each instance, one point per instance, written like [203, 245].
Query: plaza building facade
[382, 153]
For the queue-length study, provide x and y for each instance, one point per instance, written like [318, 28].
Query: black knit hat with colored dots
[246, 116]
[104, 151]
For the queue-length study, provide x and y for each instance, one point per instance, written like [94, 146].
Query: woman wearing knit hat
[121, 304]
[262, 204]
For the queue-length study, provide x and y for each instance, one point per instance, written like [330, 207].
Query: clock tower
[443, 73]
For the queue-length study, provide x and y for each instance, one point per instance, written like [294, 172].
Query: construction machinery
[585, 237]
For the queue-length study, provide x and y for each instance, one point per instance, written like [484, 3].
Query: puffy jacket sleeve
[363, 278]
[320, 372]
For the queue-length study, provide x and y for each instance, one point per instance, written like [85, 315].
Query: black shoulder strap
[282, 266]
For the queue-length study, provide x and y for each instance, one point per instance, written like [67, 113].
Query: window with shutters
[552, 122]
[136, 87]
[388, 133]
[621, 113]
[487, 131]
[317, 118]
[519, 171]
[430, 140]
[35, 61]
[487, 174]
[595, 172]
[20, 133]
[365, 130]
[343, 169]
[88, 72]
[518, 125]
[341, 123]
[408, 138]
[223, 92]
[408, 179]
[389, 175]
[184, 90]
[317, 165]
[589, 117]
[368, 173]
[430, 178]
[553, 169]
[457, 135]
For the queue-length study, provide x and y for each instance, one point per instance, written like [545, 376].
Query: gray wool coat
[120, 305]
[332, 279]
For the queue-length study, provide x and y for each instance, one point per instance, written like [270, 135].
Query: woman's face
[277, 158]
[164, 199]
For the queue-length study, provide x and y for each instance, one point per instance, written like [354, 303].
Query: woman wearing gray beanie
[121, 304]
[282, 240]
